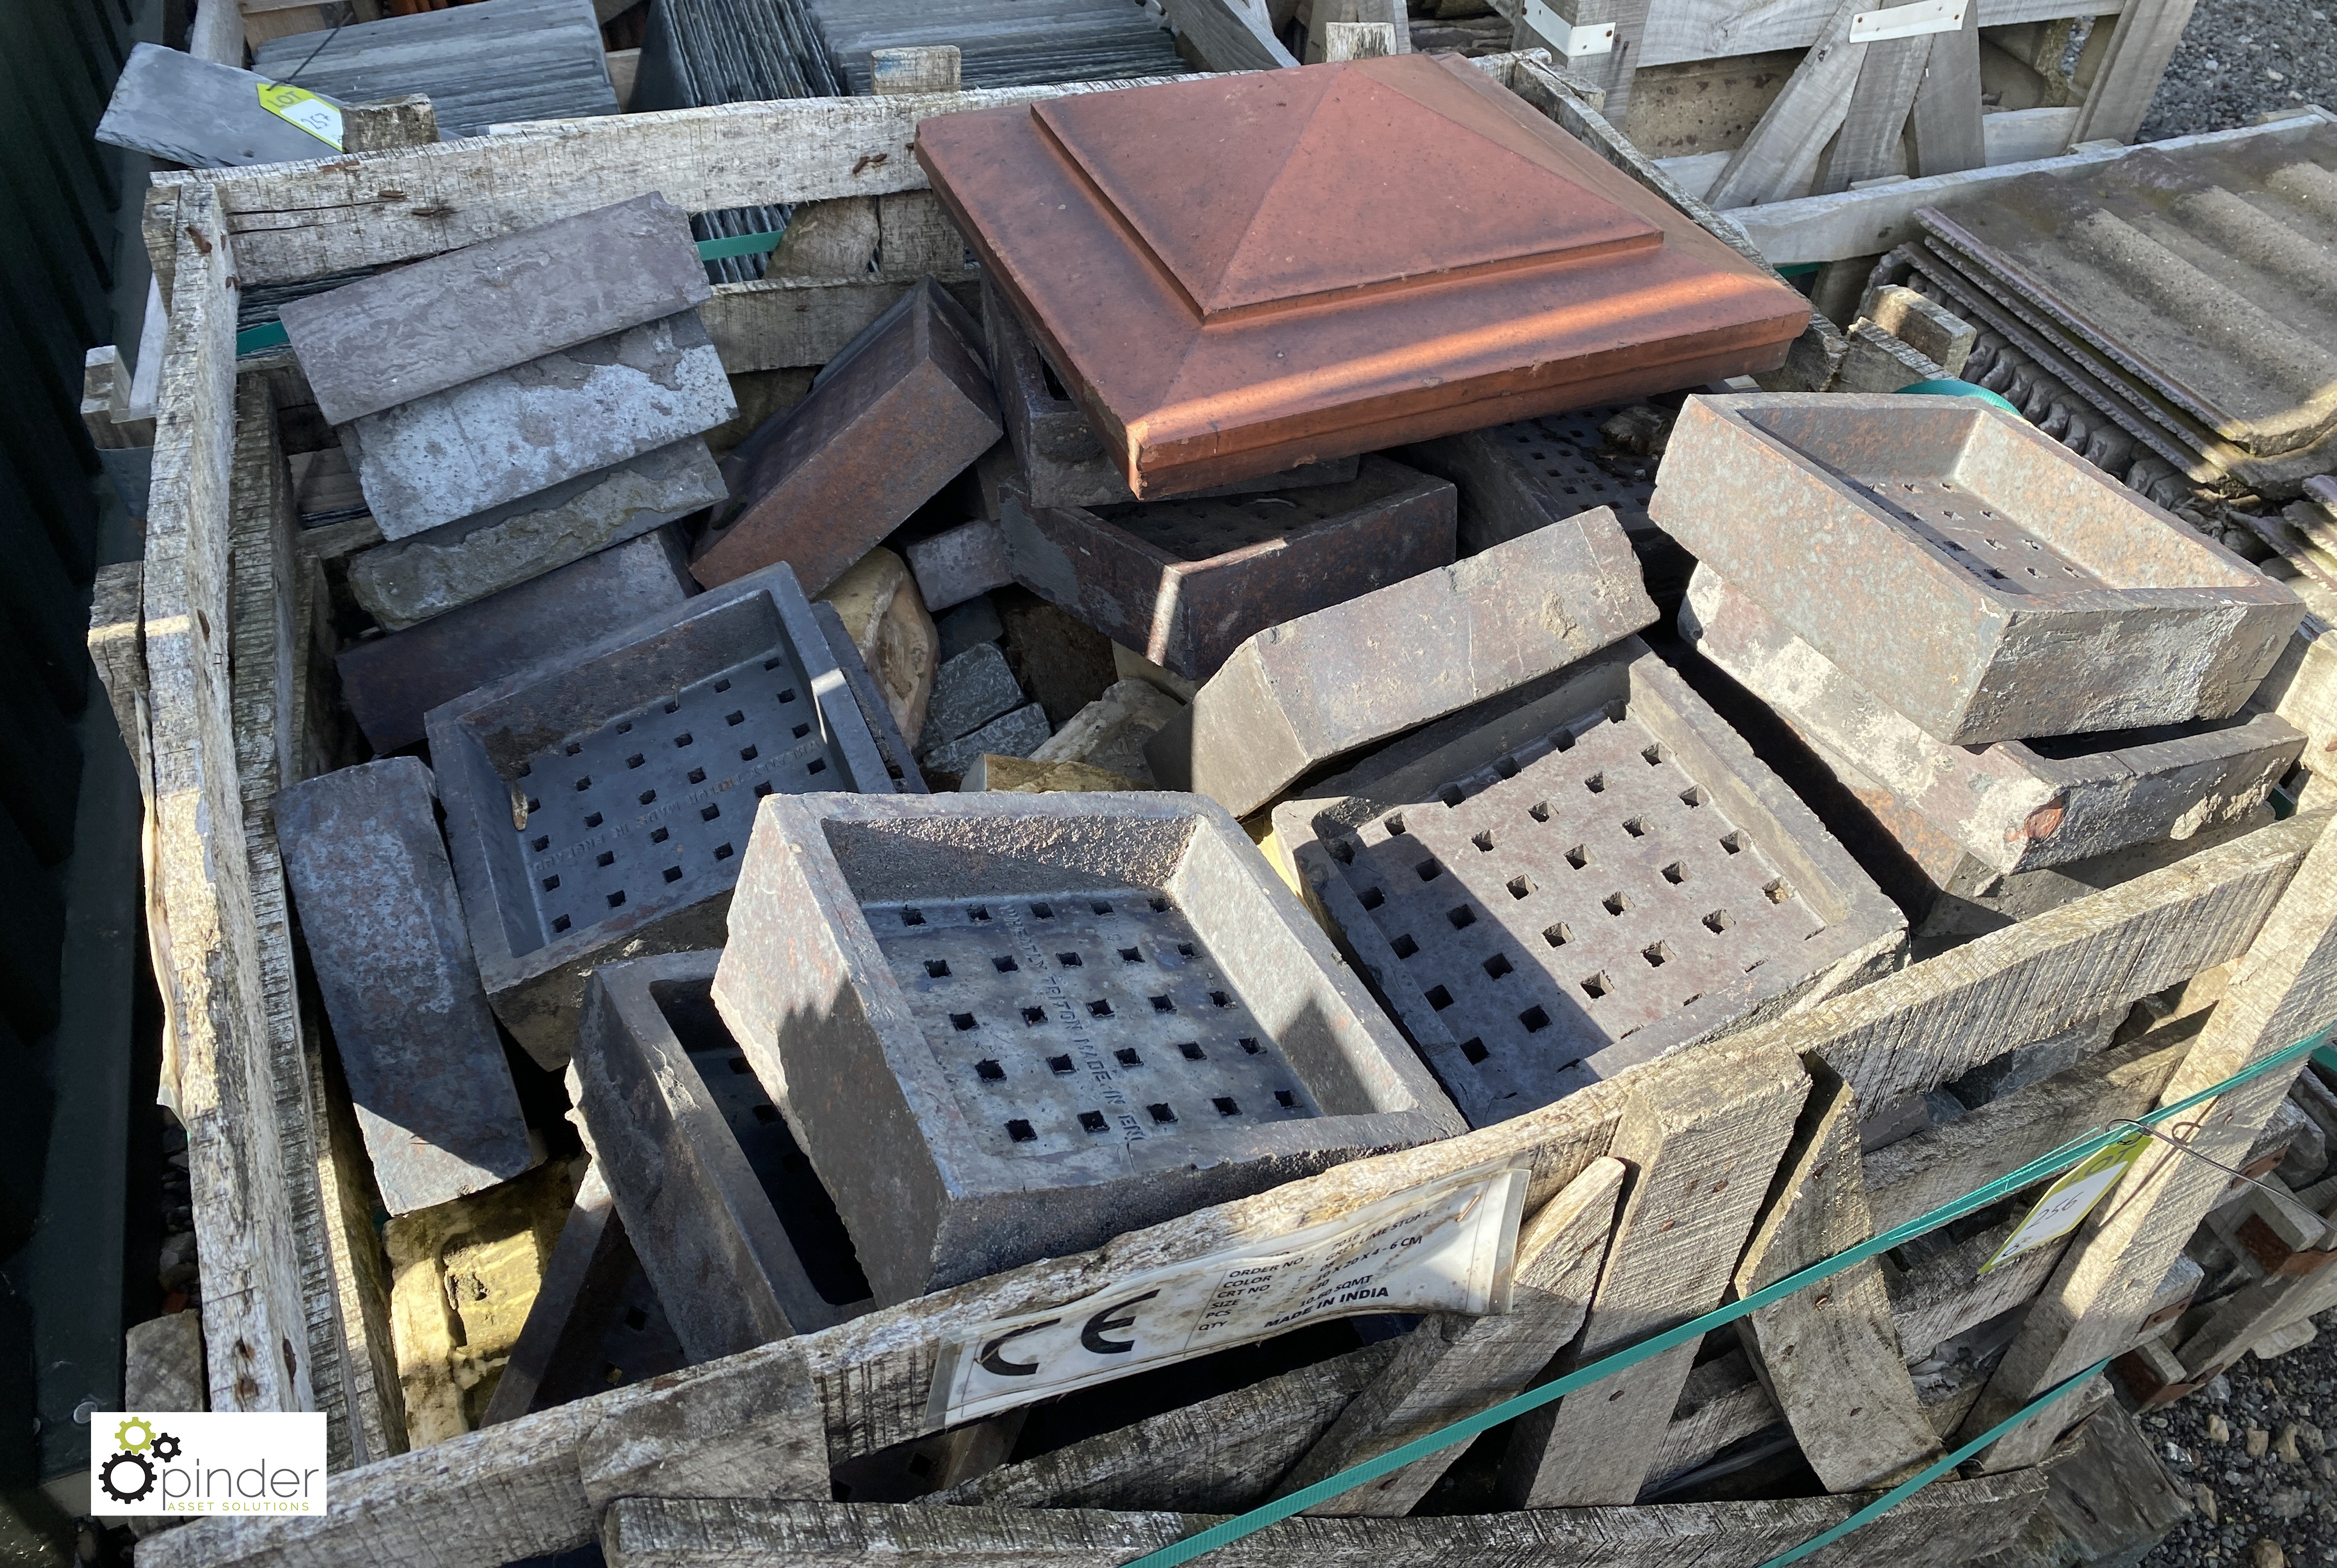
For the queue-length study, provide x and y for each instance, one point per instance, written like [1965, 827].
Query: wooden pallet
[216, 657]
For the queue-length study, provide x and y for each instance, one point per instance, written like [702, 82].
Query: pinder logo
[198, 1463]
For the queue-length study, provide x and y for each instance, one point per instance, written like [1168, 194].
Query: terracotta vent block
[1245, 272]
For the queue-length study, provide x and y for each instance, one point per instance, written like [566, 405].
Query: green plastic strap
[1948, 386]
[1226, 1532]
[267, 334]
[736, 245]
[1939, 1468]
[271, 334]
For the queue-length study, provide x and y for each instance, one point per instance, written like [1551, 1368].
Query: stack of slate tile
[2011, 662]
[493, 62]
[698, 53]
[2167, 311]
[168, 105]
[524, 418]
[1003, 43]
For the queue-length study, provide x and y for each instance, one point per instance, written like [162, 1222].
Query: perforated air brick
[1585, 884]
[602, 802]
[1012, 1026]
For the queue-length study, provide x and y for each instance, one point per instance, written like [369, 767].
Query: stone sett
[1015, 735]
[1584, 884]
[453, 318]
[969, 691]
[392, 681]
[731, 1223]
[902, 411]
[1184, 581]
[2014, 805]
[1298, 695]
[2024, 592]
[959, 564]
[1011, 1026]
[384, 931]
[598, 805]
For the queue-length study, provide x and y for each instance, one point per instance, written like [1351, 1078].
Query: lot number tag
[1448, 1247]
[305, 109]
[2071, 1198]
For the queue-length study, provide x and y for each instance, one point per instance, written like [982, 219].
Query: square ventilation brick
[575, 789]
[1595, 878]
[1012, 1026]
[723, 1208]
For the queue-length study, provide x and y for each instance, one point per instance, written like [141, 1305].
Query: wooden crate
[217, 659]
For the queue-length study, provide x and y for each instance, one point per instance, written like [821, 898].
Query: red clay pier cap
[1240, 274]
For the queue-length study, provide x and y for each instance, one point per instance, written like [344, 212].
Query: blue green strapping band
[1228, 1531]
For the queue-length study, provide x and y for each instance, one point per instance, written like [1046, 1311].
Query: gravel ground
[2249, 1452]
[2242, 58]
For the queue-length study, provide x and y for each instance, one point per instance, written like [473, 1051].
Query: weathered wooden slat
[1876, 119]
[1866, 222]
[2127, 78]
[533, 1486]
[1222, 1454]
[1702, 1156]
[1780, 155]
[217, 1062]
[1943, 1526]
[1451, 1370]
[1931, 1023]
[262, 647]
[1917, 1174]
[1829, 1353]
[1229, 35]
[2284, 989]
[1947, 112]
[1679, 30]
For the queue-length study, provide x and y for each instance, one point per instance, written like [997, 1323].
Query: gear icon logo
[126, 1477]
[144, 1430]
[166, 1447]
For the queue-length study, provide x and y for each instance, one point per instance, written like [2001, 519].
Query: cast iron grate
[1570, 894]
[1570, 458]
[668, 789]
[1066, 1020]
[1981, 538]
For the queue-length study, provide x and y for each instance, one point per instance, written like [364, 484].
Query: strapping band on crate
[1228, 1531]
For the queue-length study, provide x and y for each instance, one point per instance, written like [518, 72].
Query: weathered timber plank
[2127, 78]
[536, 1486]
[1221, 1454]
[2284, 988]
[1866, 222]
[301, 220]
[1931, 1023]
[1829, 1353]
[262, 647]
[1917, 1174]
[217, 1061]
[1779, 158]
[1872, 127]
[1229, 35]
[1449, 1371]
[117, 646]
[1946, 119]
[1680, 31]
[1703, 1153]
[1944, 1524]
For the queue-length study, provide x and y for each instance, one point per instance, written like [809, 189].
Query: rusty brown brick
[1254, 271]
[904, 410]
[1185, 581]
